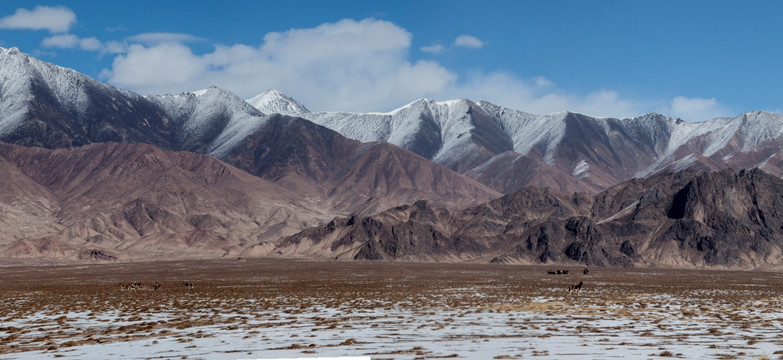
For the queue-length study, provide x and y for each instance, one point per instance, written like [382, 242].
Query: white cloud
[695, 109]
[63, 41]
[468, 41]
[114, 47]
[432, 49]
[154, 38]
[69, 41]
[55, 19]
[154, 68]
[90, 44]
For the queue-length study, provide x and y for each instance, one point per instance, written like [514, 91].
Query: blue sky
[690, 59]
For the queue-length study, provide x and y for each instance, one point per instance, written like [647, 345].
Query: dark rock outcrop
[726, 219]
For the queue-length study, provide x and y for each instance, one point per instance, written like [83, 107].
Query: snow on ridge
[759, 126]
[450, 103]
[625, 211]
[200, 92]
[406, 106]
[528, 130]
[15, 91]
[274, 101]
[18, 70]
[685, 162]
[580, 170]
[394, 126]
[745, 132]
[765, 161]
[203, 111]
[237, 130]
[455, 124]
[357, 126]
[427, 101]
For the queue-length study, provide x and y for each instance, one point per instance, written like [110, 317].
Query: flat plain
[271, 308]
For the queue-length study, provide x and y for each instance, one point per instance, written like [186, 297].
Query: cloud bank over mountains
[353, 65]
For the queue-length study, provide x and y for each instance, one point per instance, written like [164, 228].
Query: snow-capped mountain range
[42, 104]
[480, 138]
[48, 106]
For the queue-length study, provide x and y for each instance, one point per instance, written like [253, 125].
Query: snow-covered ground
[549, 327]
[401, 313]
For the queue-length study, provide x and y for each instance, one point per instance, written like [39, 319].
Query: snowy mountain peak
[212, 99]
[215, 93]
[428, 104]
[651, 116]
[418, 102]
[10, 51]
[761, 116]
[273, 101]
[201, 92]
[23, 78]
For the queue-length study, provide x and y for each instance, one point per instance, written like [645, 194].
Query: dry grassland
[280, 308]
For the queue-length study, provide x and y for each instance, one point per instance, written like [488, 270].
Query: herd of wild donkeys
[156, 286]
[189, 285]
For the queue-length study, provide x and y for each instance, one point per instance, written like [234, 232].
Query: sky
[694, 60]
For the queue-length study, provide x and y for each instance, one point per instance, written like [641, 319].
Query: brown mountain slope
[138, 201]
[726, 219]
[26, 208]
[510, 171]
[353, 177]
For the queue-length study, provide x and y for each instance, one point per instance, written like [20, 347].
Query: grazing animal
[585, 271]
[187, 285]
[577, 287]
[139, 286]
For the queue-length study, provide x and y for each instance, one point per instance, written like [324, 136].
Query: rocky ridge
[727, 219]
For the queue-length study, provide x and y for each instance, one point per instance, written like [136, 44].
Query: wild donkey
[577, 287]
